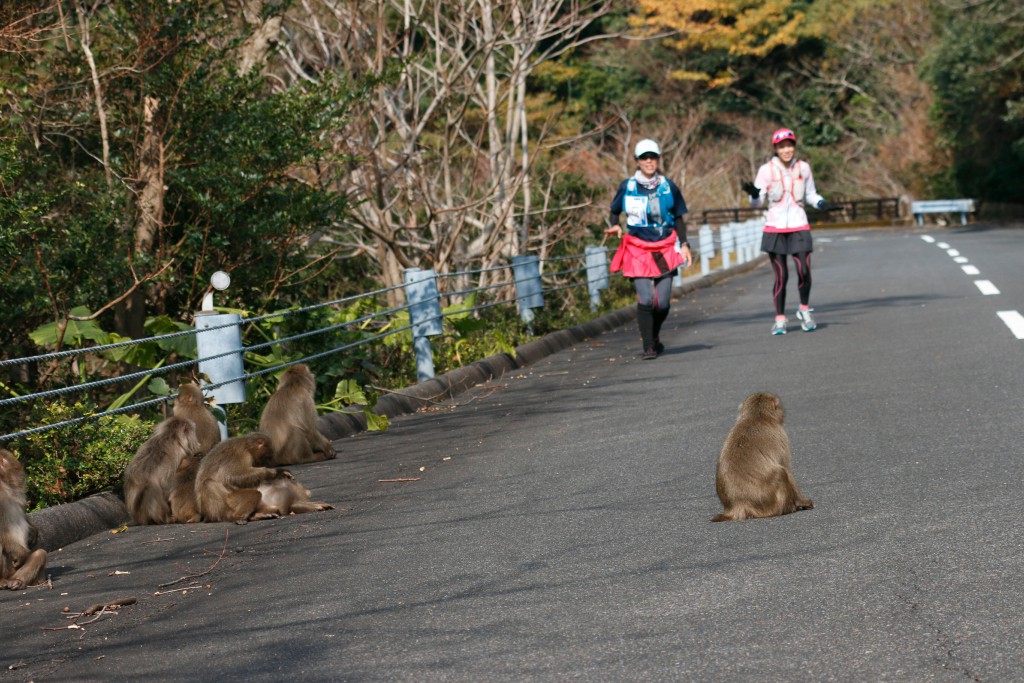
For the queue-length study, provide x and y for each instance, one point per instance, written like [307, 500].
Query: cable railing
[216, 355]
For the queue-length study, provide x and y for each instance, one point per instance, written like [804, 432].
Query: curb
[64, 524]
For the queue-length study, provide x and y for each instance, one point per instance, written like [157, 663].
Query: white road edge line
[1015, 321]
[986, 287]
[942, 245]
[928, 238]
[961, 259]
[953, 252]
[971, 270]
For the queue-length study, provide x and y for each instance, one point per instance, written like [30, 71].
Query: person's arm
[679, 211]
[811, 195]
[762, 182]
[616, 211]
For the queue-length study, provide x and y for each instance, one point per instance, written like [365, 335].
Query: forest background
[316, 148]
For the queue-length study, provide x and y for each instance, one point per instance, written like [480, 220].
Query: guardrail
[221, 358]
[883, 208]
[960, 206]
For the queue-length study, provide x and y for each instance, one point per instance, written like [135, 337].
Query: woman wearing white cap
[786, 183]
[655, 243]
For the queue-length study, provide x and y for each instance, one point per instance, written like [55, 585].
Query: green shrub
[67, 463]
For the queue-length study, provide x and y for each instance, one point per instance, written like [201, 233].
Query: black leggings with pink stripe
[802, 261]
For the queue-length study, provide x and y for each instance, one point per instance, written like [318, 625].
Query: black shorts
[796, 242]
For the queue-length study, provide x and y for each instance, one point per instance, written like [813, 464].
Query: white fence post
[425, 316]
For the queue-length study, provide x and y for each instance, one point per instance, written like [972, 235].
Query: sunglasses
[648, 157]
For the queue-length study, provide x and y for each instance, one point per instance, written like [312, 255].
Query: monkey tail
[733, 514]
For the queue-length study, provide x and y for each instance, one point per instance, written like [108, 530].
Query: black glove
[750, 188]
[826, 205]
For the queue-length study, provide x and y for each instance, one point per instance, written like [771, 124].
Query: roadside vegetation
[316, 149]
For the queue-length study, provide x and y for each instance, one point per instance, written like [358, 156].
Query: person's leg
[781, 271]
[802, 261]
[645, 294]
[660, 305]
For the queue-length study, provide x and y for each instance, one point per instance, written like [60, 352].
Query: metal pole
[424, 305]
[596, 259]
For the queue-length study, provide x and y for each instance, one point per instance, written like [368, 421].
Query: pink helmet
[783, 134]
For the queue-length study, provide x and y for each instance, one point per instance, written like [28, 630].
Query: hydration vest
[786, 183]
[641, 213]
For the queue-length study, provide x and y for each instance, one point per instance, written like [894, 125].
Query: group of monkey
[184, 473]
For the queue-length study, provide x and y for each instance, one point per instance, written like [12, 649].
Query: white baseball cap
[646, 146]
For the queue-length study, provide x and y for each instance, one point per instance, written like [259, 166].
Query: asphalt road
[558, 525]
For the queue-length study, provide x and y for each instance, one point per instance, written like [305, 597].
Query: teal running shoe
[807, 323]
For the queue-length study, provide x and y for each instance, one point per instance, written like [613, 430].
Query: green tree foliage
[237, 159]
[977, 70]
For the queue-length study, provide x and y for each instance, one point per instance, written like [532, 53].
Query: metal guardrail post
[728, 243]
[752, 228]
[424, 315]
[224, 368]
[529, 289]
[706, 240]
[597, 274]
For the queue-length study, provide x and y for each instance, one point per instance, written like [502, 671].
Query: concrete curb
[63, 524]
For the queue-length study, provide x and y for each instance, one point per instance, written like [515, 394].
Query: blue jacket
[647, 219]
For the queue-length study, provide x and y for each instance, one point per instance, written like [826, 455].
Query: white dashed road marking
[986, 287]
[1015, 321]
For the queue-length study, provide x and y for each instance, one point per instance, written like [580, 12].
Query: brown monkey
[754, 476]
[290, 419]
[150, 476]
[184, 507]
[190, 405]
[228, 477]
[288, 497]
[19, 567]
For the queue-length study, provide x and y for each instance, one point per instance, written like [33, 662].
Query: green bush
[67, 463]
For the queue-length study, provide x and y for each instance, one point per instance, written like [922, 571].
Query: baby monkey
[754, 477]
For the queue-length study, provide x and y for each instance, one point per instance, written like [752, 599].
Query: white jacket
[786, 191]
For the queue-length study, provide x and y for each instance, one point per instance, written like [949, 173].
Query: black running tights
[802, 261]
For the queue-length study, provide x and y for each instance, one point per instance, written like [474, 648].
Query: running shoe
[779, 327]
[649, 354]
[807, 323]
[659, 348]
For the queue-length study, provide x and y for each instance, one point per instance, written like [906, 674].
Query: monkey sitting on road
[19, 567]
[754, 476]
[229, 476]
[150, 476]
[290, 419]
[184, 507]
[190, 405]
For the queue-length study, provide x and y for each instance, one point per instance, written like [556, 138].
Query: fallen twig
[391, 481]
[212, 567]
[190, 587]
[100, 607]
